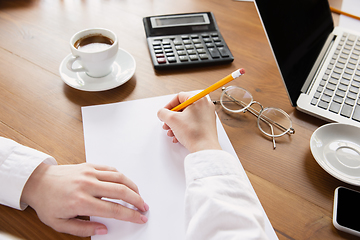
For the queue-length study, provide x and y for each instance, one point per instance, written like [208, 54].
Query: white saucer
[336, 148]
[123, 70]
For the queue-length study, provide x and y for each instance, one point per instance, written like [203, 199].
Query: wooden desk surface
[39, 110]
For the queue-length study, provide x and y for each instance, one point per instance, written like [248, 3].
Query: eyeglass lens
[274, 122]
[235, 99]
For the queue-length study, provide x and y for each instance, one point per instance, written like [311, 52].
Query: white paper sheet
[129, 136]
[352, 7]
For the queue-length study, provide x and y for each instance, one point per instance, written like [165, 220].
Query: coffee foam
[94, 47]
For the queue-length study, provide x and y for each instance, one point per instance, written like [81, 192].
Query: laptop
[319, 64]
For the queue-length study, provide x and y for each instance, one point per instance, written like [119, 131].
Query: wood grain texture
[39, 110]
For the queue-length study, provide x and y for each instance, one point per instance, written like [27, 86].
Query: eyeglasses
[273, 122]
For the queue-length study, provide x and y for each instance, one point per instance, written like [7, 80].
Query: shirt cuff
[17, 163]
[209, 163]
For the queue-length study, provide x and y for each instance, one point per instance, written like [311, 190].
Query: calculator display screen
[179, 20]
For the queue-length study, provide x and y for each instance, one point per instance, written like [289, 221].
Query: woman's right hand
[194, 127]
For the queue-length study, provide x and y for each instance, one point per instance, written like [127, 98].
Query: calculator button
[191, 52]
[171, 59]
[167, 47]
[194, 36]
[168, 50]
[216, 39]
[214, 35]
[180, 53]
[161, 60]
[177, 42]
[219, 44]
[199, 45]
[166, 41]
[214, 53]
[196, 41]
[210, 45]
[203, 56]
[223, 52]
[187, 41]
[183, 58]
[159, 55]
[193, 57]
[158, 51]
[157, 47]
[201, 50]
[185, 36]
[189, 46]
[157, 43]
[170, 54]
[207, 40]
[205, 35]
[179, 47]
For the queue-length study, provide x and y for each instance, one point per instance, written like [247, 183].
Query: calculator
[185, 40]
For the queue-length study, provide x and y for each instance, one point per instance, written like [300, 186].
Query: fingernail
[146, 207]
[143, 218]
[101, 231]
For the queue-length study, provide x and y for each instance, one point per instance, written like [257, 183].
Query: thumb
[81, 228]
[164, 114]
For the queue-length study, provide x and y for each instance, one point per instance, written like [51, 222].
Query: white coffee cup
[93, 51]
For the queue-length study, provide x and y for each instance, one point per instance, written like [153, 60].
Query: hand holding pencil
[195, 126]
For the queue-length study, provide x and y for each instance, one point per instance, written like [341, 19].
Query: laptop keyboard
[338, 91]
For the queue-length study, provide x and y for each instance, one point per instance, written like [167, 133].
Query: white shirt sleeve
[219, 201]
[17, 163]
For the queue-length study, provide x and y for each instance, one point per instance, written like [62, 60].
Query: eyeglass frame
[257, 114]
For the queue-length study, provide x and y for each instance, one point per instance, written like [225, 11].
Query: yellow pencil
[208, 90]
[343, 13]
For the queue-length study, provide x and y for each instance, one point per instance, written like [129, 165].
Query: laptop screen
[297, 31]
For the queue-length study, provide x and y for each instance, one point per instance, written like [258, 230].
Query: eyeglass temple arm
[273, 139]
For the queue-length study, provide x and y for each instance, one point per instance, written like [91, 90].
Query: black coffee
[93, 43]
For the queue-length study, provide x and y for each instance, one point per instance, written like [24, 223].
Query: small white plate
[336, 148]
[123, 70]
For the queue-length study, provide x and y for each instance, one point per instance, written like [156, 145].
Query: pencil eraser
[238, 73]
